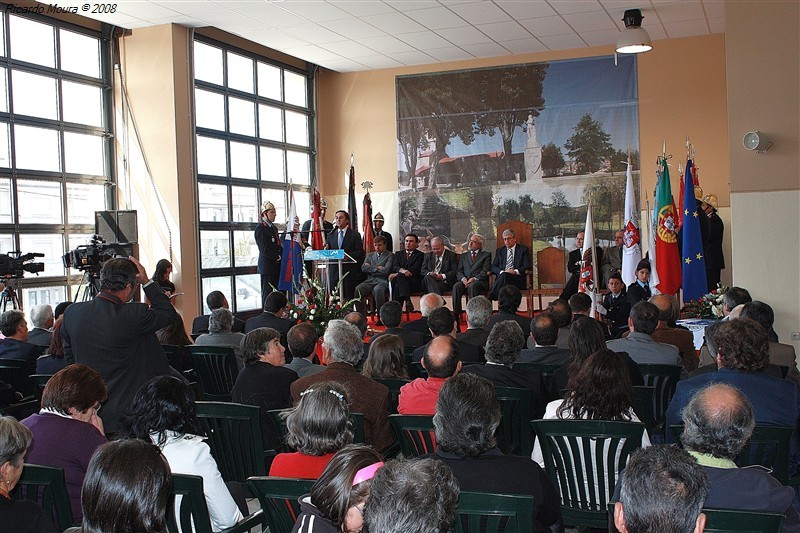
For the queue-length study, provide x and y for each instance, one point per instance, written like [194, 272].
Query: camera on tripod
[15, 264]
[90, 257]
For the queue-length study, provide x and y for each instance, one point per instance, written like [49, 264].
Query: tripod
[89, 286]
[9, 296]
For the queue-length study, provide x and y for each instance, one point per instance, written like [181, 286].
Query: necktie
[341, 237]
[408, 256]
[438, 265]
[510, 259]
[473, 256]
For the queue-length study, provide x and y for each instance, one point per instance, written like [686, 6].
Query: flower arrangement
[316, 307]
[708, 306]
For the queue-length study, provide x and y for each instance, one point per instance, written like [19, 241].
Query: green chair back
[216, 369]
[279, 499]
[514, 435]
[548, 372]
[22, 409]
[728, 521]
[15, 372]
[494, 513]
[415, 433]
[279, 422]
[664, 378]
[644, 399]
[193, 509]
[39, 381]
[46, 486]
[576, 452]
[394, 392]
[417, 371]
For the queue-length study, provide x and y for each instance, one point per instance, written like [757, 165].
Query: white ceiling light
[633, 39]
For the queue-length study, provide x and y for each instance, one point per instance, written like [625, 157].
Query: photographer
[117, 338]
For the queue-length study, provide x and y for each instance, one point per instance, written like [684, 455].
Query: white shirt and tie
[510, 259]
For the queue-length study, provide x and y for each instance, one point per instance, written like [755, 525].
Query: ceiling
[358, 35]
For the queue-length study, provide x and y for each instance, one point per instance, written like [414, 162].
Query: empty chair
[216, 369]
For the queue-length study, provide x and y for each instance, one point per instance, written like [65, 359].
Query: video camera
[15, 267]
[92, 256]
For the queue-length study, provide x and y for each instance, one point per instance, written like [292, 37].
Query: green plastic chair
[665, 379]
[279, 499]
[194, 509]
[15, 372]
[46, 486]
[577, 450]
[415, 434]
[514, 435]
[494, 513]
[394, 392]
[644, 405]
[39, 381]
[729, 521]
[547, 370]
[22, 409]
[280, 425]
[216, 369]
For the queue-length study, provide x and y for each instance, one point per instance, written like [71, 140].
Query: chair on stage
[551, 277]
[524, 234]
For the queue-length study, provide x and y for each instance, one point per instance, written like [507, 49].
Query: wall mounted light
[756, 141]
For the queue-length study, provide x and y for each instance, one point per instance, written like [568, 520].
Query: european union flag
[694, 264]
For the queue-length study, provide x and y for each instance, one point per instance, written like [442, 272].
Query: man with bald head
[441, 360]
[681, 338]
[439, 268]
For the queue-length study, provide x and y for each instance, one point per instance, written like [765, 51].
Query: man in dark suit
[269, 250]
[507, 304]
[274, 316]
[42, 319]
[377, 225]
[511, 264]
[574, 266]
[479, 310]
[215, 300]
[712, 246]
[345, 238]
[117, 338]
[306, 236]
[544, 333]
[439, 268]
[391, 316]
[15, 345]
[443, 322]
[472, 274]
[406, 276]
[612, 258]
[428, 304]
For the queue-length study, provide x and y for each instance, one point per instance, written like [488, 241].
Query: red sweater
[299, 465]
[419, 397]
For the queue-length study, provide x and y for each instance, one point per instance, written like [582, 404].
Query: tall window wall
[54, 146]
[255, 142]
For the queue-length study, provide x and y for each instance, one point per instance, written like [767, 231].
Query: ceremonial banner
[588, 274]
[667, 258]
[632, 251]
[352, 208]
[693, 262]
[367, 233]
[292, 259]
[316, 239]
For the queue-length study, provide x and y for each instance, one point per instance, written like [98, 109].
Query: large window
[54, 146]
[255, 142]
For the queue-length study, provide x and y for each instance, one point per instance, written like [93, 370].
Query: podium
[322, 259]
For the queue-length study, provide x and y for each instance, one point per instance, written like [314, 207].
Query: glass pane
[248, 292]
[82, 103]
[39, 202]
[34, 95]
[209, 110]
[3, 90]
[83, 154]
[269, 81]
[240, 72]
[78, 239]
[270, 123]
[211, 157]
[272, 165]
[245, 204]
[277, 197]
[52, 246]
[83, 200]
[5, 146]
[2, 36]
[214, 249]
[207, 63]
[242, 116]
[36, 148]
[220, 283]
[296, 128]
[80, 53]
[245, 250]
[302, 200]
[7, 244]
[295, 87]
[243, 160]
[32, 41]
[297, 168]
[213, 202]
[42, 295]
[5, 201]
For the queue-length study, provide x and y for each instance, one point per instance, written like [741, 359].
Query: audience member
[779, 354]
[680, 338]
[175, 335]
[466, 419]
[391, 314]
[733, 298]
[220, 333]
[439, 268]
[639, 290]
[386, 359]
[616, 308]
[15, 345]
[640, 344]
[67, 430]
[302, 340]
[163, 413]
[472, 275]
[341, 351]
[562, 313]
[508, 301]
[479, 310]
[53, 359]
[441, 360]
[359, 321]
[544, 333]
[318, 426]
[443, 322]
[214, 300]
[60, 308]
[580, 303]
[377, 266]
[511, 264]
[42, 320]
[427, 304]
[274, 316]
[406, 276]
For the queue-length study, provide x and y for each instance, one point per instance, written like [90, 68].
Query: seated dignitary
[779, 354]
[616, 308]
[377, 266]
[391, 315]
[662, 489]
[263, 381]
[442, 322]
[274, 316]
[612, 258]
[718, 422]
[511, 265]
[639, 343]
[472, 275]
[42, 320]
[302, 339]
[544, 332]
[502, 351]
[439, 268]
[117, 338]
[220, 333]
[507, 304]
[163, 413]
[317, 427]
[742, 356]
[215, 300]
[575, 263]
[386, 359]
[341, 351]
[441, 361]
[467, 416]
[427, 304]
[406, 276]
[15, 345]
[426, 486]
[479, 310]
[681, 338]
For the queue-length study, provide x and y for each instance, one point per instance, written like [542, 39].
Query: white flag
[632, 246]
[588, 276]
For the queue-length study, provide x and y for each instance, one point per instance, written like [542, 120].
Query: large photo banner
[532, 142]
